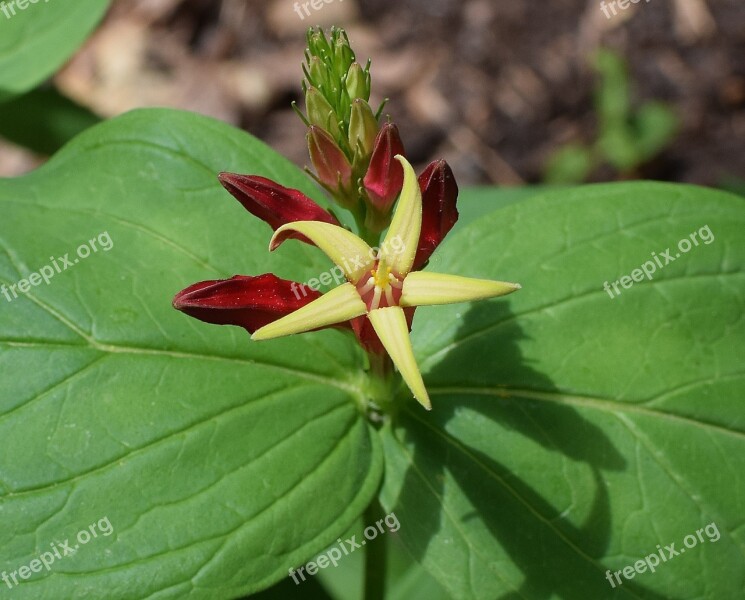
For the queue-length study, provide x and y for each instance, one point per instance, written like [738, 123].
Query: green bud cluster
[337, 95]
[345, 136]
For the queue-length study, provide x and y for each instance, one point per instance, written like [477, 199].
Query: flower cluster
[363, 166]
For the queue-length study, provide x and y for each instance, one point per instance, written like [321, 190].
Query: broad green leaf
[412, 581]
[736, 185]
[288, 590]
[36, 38]
[477, 202]
[346, 581]
[61, 120]
[219, 462]
[405, 578]
[571, 432]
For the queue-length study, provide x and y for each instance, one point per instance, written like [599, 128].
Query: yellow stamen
[382, 277]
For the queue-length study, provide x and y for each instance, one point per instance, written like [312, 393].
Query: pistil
[382, 283]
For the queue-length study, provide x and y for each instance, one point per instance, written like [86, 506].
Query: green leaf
[656, 125]
[572, 432]
[412, 581]
[61, 120]
[613, 93]
[478, 202]
[736, 185]
[220, 463]
[571, 164]
[620, 148]
[36, 40]
[405, 578]
[288, 590]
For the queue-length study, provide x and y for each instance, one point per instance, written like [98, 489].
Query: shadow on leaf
[468, 503]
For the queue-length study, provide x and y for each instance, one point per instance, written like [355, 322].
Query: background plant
[627, 137]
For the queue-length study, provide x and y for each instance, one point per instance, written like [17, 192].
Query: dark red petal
[439, 211]
[366, 335]
[385, 175]
[249, 302]
[273, 203]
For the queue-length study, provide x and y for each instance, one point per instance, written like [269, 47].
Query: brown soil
[494, 87]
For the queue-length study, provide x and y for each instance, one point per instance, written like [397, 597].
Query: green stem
[380, 365]
[371, 238]
[376, 555]
[381, 378]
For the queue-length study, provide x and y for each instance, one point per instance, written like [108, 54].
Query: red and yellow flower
[380, 289]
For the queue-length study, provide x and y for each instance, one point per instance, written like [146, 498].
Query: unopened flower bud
[317, 71]
[343, 53]
[332, 167]
[272, 202]
[320, 112]
[385, 176]
[363, 128]
[358, 83]
[439, 212]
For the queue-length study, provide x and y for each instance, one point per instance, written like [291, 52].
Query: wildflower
[364, 169]
[380, 288]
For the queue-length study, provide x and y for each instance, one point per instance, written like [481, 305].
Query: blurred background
[508, 92]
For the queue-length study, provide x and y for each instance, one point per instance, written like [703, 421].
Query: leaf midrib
[122, 349]
[562, 301]
[223, 536]
[601, 404]
[155, 442]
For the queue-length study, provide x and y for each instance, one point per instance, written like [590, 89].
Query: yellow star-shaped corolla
[381, 287]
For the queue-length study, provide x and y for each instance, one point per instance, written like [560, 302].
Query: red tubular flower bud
[385, 176]
[249, 302]
[439, 211]
[332, 166]
[274, 203]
